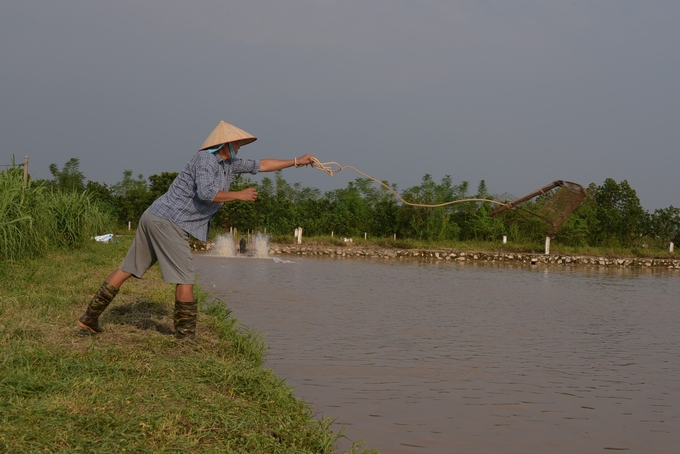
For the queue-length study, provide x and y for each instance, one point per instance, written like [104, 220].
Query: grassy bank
[134, 388]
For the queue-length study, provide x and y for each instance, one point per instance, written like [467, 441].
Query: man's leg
[186, 311]
[100, 301]
[184, 292]
[118, 277]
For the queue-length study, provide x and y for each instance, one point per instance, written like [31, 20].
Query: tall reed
[17, 225]
[34, 220]
[73, 218]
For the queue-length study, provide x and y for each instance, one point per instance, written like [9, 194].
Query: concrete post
[505, 239]
[547, 245]
[670, 248]
[26, 172]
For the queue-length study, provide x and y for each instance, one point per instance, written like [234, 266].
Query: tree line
[611, 215]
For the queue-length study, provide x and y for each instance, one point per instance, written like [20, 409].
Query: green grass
[135, 388]
[34, 220]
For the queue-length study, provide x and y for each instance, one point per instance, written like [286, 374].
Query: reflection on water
[451, 357]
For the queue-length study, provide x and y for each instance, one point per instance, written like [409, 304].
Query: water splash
[224, 246]
[261, 245]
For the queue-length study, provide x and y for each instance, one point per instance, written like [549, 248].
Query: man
[185, 209]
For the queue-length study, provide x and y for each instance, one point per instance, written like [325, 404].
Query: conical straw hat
[225, 133]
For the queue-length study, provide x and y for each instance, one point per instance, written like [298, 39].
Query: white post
[505, 239]
[365, 235]
[547, 245]
[299, 241]
[331, 234]
[395, 237]
[670, 249]
[129, 225]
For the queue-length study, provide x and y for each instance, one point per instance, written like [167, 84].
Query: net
[555, 203]
[557, 200]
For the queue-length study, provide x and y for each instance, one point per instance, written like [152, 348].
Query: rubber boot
[185, 319]
[100, 300]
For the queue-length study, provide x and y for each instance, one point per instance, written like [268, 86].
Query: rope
[326, 167]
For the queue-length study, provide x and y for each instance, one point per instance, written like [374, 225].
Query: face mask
[217, 148]
[214, 149]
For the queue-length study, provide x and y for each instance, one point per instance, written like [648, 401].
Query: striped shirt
[189, 200]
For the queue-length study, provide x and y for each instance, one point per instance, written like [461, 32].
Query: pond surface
[469, 358]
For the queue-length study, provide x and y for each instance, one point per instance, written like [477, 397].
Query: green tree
[131, 197]
[159, 184]
[575, 231]
[265, 204]
[479, 225]
[430, 223]
[99, 192]
[349, 212]
[241, 215]
[665, 225]
[284, 215]
[69, 178]
[101, 197]
[309, 207]
[386, 210]
[620, 217]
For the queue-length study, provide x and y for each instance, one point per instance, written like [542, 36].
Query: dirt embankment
[433, 255]
[450, 255]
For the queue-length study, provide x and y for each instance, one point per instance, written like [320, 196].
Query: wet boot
[101, 299]
[185, 319]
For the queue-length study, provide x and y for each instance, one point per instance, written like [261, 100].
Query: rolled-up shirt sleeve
[245, 166]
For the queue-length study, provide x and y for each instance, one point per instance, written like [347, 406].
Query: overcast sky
[518, 93]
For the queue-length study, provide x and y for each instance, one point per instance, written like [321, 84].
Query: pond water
[469, 358]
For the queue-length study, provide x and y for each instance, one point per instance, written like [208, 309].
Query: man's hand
[244, 195]
[304, 160]
[247, 195]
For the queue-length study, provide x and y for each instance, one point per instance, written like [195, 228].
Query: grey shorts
[162, 241]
